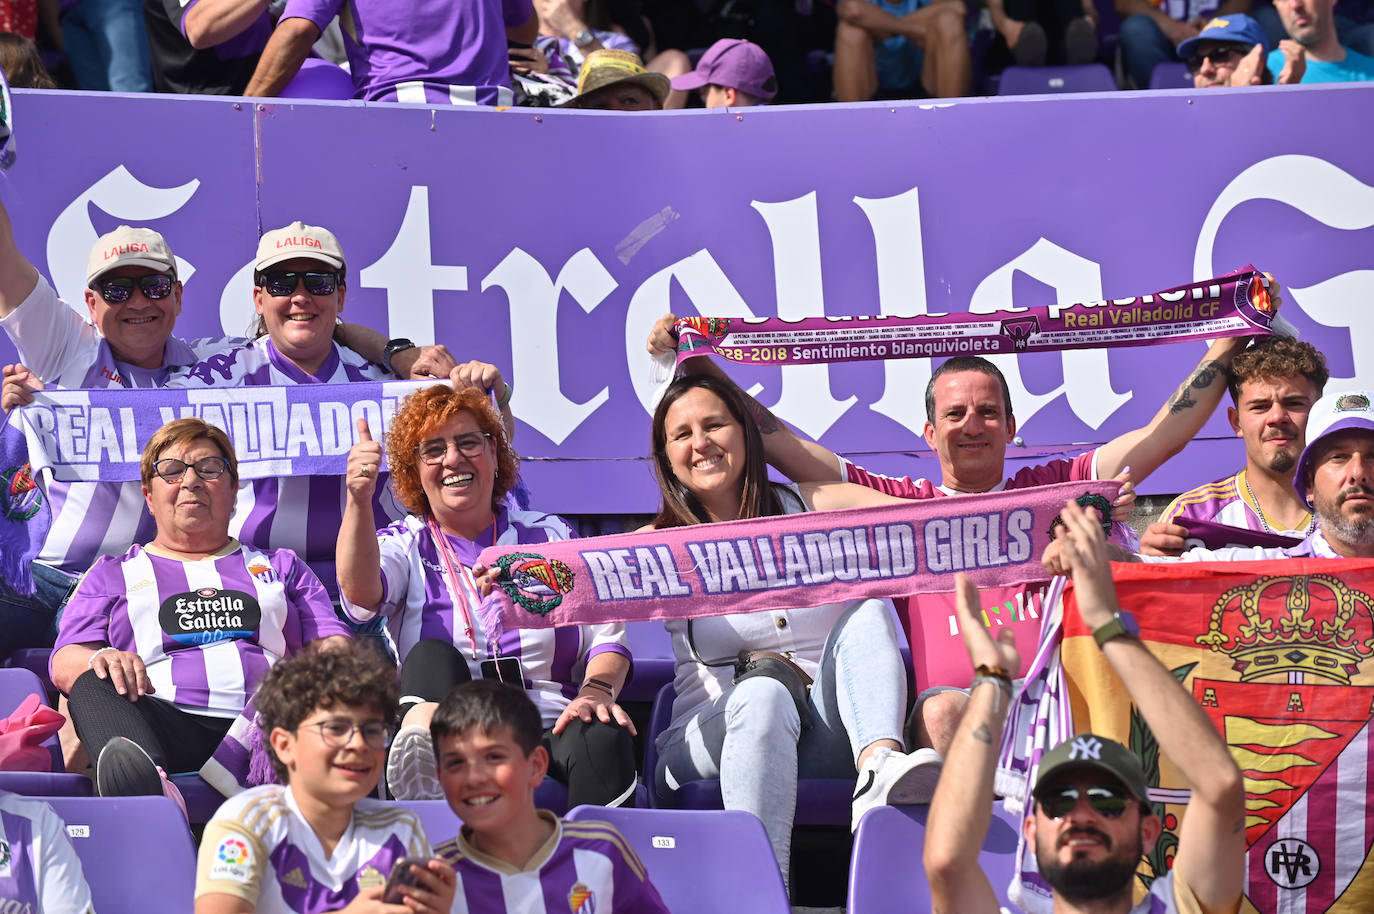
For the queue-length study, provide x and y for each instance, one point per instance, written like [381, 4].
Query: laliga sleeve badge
[233, 860]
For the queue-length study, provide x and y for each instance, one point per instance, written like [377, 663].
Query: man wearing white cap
[1335, 476]
[133, 298]
[733, 73]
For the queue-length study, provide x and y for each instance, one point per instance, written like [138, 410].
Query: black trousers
[177, 740]
[596, 760]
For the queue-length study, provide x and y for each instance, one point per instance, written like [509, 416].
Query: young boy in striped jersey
[510, 856]
[319, 844]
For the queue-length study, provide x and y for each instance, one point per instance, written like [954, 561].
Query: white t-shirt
[39, 871]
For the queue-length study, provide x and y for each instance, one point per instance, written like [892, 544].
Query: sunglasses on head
[1217, 57]
[119, 289]
[1104, 801]
[282, 282]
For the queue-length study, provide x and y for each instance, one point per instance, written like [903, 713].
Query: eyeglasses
[469, 445]
[337, 732]
[119, 289]
[1104, 801]
[171, 469]
[1216, 56]
[282, 283]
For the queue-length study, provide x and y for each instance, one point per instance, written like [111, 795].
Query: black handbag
[766, 663]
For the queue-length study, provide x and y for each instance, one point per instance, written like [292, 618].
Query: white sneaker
[410, 770]
[891, 778]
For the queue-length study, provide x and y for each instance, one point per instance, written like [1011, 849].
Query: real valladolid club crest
[22, 497]
[1297, 727]
[535, 583]
[714, 328]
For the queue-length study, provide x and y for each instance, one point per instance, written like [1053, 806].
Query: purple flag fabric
[1220, 536]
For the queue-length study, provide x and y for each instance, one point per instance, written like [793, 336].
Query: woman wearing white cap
[299, 284]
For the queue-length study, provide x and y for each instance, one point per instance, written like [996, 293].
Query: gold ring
[365, 471]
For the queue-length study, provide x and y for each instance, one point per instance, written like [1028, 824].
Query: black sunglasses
[120, 289]
[1217, 56]
[1104, 801]
[282, 283]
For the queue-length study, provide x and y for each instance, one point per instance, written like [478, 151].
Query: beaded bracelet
[90, 661]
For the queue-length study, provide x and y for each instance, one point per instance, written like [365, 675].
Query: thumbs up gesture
[364, 463]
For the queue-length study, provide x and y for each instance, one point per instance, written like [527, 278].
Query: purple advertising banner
[548, 242]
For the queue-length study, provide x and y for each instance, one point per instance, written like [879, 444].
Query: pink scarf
[787, 561]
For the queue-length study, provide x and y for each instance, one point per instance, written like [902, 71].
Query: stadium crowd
[366, 667]
[366, 653]
[715, 52]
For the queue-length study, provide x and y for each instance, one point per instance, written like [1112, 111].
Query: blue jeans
[107, 46]
[1143, 45]
[751, 737]
[31, 621]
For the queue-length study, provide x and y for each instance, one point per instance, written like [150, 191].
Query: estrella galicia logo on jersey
[209, 615]
[581, 900]
[535, 583]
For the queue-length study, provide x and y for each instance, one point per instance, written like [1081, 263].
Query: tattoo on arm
[1202, 379]
[983, 734]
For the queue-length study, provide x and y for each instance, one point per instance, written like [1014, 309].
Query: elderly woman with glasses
[160, 648]
[452, 466]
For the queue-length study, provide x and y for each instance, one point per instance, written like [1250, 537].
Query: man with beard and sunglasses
[1335, 476]
[1092, 819]
[1273, 386]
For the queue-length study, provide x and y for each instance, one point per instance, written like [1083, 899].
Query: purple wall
[507, 233]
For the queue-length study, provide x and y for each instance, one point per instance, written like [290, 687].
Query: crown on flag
[1293, 624]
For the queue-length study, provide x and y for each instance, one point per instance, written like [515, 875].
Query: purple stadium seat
[136, 852]
[16, 684]
[202, 800]
[653, 653]
[820, 801]
[319, 79]
[885, 871]
[46, 784]
[1171, 74]
[34, 659]
[701, 860]
[1092, 77]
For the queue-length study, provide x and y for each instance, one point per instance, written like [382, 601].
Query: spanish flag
[1278, 654]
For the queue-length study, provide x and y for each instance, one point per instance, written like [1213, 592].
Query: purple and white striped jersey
[39, 871]
[90, 519]
[419, 604]
[259, 848]
[207, 630]
[1226, 501]
[300, 513]
[585, 867]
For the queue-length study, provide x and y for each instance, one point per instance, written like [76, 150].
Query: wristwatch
[400, 344]
[1123, 625]
[584, 39]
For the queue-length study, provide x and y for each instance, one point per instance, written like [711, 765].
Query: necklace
[1264, 521]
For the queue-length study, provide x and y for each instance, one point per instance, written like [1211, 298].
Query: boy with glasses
[1092, 820]
[319, 843]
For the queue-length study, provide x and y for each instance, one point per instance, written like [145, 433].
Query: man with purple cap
[1229, 51]
[1335, 476]
[1091, 818]
[733, 73]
